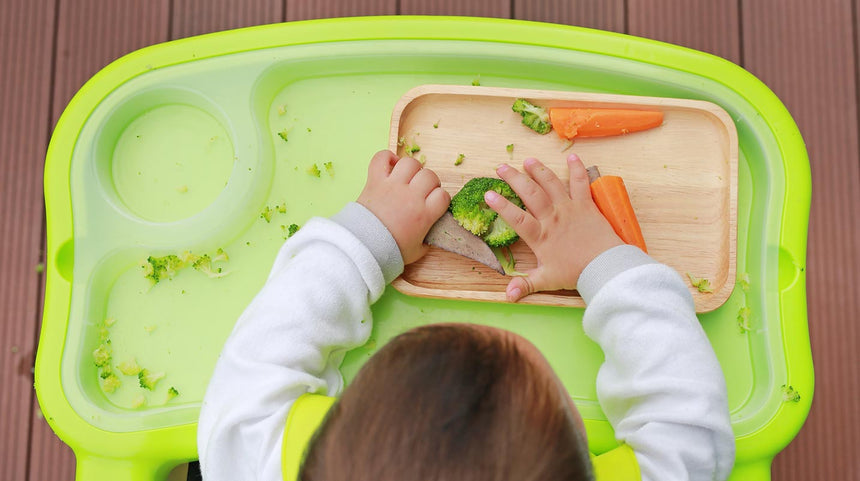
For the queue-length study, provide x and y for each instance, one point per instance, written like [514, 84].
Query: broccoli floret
[204, 265]
[476, 81]
[149, 379]
[267, 214]
[172, 393]
[314, 170]
[129, 367]
[220, 255]
[102, 355]
[329, 168]
[744, 319]
[700, 283]
[471, 212]
[534, 117]
[110, 383]
[292, 229]
[460, 159]
[283, 135]
[159, 268]
[790, 394]
[744, 281]
[500, 234]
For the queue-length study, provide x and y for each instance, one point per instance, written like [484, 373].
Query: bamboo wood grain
[681, 177]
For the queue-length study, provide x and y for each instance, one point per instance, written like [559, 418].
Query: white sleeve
[291, 339]
[661, 386]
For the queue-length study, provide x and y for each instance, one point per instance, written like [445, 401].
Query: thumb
[521, 286]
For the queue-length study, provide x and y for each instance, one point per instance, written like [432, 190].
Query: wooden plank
[93, 33]
[600, 14]
[805, 51]
[471, 8]
[89, 35]
[196, 17]
[708, 25]
[26, 49]
[310, 9]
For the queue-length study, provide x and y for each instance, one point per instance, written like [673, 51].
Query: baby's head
[452, 402]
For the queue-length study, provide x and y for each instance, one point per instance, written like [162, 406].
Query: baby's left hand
[407, 198]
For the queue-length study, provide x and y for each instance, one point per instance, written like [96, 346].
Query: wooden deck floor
[806, 51]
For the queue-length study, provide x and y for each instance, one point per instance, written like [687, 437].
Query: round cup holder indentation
[165, 154]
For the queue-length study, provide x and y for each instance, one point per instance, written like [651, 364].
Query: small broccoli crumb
[148, 379]
[509, 148]
[401, 141]
[283, 135]
[744, 281]
[282, 109]
[744, 319]
[40, 267]
[138, 402]
[172, 393]
[329, 168]
[129, 367]
[460, 159]
[204, 265]
[476, 81]
[105, 371]
[104, 334]
[110, 321]
[159, 268]
[309, 129]
[110, 383]
[422, 160]
[150, 329]
[102, 354]
[700, 283]
[412, 149]
[182, 189]
[790, 394]
[436, 125]
[314, 170]
[534, 117]
[290, 230]
[267, 214]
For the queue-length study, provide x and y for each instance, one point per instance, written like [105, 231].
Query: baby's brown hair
[450, 402]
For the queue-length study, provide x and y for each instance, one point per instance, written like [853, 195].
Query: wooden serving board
[681, 177]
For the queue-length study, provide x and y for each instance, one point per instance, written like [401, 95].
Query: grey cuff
[608, 265]
[374, 235]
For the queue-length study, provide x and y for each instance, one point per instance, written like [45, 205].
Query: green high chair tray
[176, 148]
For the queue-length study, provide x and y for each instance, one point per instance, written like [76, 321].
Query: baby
[461, 401]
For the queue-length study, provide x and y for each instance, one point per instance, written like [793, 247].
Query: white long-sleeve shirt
[660, 386]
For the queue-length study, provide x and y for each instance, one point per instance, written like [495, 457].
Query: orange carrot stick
[611, 198]
[577, 122]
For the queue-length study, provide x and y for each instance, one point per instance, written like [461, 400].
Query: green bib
[309, 410]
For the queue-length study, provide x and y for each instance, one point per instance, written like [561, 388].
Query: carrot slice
[610, 195]
[577, 122]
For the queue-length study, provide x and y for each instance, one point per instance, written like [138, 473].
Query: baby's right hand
[565, 230]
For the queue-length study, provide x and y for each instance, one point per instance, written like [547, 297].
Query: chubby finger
[532, 195]
[405, 169]
[425, 181]
[381, 164]
[580, 190]
[438, 201]
[522, 286]
[521, 221]
[546, 179]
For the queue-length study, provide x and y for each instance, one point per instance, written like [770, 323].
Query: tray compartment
[682, 180]
[164, 154]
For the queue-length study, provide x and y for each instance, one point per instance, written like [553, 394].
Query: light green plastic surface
[175, 147]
